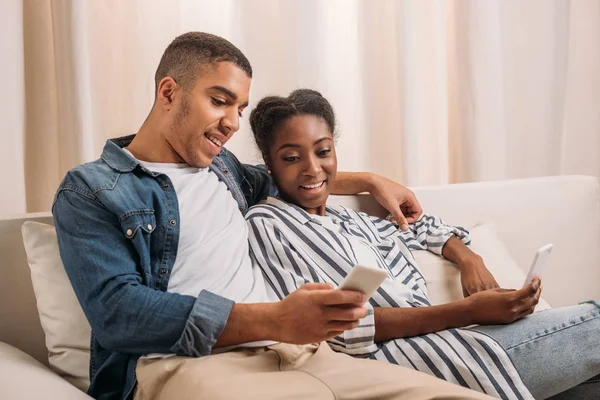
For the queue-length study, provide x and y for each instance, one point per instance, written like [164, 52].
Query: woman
[296, 239]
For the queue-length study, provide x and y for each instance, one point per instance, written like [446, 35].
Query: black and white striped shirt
[293, 247]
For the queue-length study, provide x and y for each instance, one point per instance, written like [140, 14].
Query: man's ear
[167, 91]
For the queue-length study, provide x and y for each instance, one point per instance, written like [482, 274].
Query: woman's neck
[315, 211]
[320, 210]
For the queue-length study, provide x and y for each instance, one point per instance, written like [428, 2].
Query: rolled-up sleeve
[204, 325]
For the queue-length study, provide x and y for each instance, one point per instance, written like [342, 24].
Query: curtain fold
[12, 109]
[426, 92]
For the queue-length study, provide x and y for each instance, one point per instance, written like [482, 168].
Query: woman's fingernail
[404, 227]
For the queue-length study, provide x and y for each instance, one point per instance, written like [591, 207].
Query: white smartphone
[364, 279]
[539, 262]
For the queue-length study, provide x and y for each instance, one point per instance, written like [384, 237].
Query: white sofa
[528, 213]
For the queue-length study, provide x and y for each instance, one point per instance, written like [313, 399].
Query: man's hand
[475, 277]
[397, 199]
[316, 312]
[503, 306]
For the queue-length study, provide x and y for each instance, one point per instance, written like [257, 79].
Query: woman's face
[303, 162]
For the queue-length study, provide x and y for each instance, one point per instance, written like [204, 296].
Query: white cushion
[22, 377]
[443, 276]
[65, 326]
[528, 213]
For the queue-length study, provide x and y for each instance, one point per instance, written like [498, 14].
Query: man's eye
[218, 102]
[324, 153]
[240, 114]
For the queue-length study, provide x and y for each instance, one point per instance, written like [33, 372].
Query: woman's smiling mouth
[313, 186]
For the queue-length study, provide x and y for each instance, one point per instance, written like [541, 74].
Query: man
[156, 249]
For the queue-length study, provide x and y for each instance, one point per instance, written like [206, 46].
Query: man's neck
[150, 145]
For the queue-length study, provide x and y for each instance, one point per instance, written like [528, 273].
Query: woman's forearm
[457, 252]
[397, 322]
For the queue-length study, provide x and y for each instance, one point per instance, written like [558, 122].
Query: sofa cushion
[443, 276]
[22, 377]
[65, 326]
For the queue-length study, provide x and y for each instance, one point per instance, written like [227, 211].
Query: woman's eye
[218, 102]
[291, 159]
[324, 152]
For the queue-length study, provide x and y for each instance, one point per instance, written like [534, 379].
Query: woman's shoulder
[261, 210]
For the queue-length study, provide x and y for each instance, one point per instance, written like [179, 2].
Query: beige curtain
[426, 92]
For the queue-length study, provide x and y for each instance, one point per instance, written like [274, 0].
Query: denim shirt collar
[121, 161]
[116, 158]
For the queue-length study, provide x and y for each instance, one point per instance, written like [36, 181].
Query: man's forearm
[352, 183]
[395, 322]
[248, 323]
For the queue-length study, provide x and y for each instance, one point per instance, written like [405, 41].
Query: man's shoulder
[91, 177]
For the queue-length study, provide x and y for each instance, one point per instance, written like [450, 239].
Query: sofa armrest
[22, 377]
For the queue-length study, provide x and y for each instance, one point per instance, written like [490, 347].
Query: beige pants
[285, 371]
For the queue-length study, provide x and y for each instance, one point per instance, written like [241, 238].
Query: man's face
[208, 115]
[303, 162]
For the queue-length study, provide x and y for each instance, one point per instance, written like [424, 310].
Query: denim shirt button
[129, 232]
[225, 171]
[163, 271]
[150, 227]
[166, 186]
[173, 222]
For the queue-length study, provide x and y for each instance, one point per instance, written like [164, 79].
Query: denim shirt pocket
[138, 226]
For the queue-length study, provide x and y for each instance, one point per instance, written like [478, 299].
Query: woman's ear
[267, 163]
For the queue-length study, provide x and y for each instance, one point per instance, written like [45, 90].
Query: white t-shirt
[212, 253]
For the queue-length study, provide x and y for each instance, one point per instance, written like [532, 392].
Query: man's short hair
[190, 53]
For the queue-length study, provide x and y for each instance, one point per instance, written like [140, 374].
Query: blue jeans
[553, 350]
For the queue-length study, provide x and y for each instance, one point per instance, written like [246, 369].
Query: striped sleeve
[428, 233]
[286, 269]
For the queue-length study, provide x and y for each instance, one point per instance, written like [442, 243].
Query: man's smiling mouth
[214, 140]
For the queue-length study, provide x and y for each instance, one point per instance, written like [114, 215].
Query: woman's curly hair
[272, 111]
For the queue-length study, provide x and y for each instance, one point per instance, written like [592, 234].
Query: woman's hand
[397, 199]
[503, 306]
[475, 277]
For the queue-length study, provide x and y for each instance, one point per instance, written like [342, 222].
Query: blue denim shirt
[118, 228]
